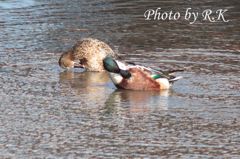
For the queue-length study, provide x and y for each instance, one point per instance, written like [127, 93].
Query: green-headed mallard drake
[136, 77]
[88, 53]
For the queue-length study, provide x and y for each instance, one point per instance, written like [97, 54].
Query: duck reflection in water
[137, 101]
[97, 91]
[91, 88]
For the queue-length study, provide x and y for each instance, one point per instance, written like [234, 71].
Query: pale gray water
[48, 113]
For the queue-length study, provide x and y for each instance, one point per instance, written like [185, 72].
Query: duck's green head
[111, 66]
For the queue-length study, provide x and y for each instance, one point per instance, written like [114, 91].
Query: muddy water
[48, 113]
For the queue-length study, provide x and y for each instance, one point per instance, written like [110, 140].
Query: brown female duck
[88, 53]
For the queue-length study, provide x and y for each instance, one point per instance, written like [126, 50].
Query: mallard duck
[136, 77]
[88, 53]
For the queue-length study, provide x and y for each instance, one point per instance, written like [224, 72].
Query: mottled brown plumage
[89, 53]
[66, 60]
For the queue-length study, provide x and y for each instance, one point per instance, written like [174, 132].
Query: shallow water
[48, 113]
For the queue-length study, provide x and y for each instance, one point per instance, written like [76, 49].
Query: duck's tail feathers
[175, 79]
[173, 71]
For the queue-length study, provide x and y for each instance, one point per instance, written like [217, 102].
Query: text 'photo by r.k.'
[119, 79]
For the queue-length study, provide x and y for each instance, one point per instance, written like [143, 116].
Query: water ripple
[50, 113]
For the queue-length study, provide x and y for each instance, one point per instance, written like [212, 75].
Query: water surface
[46, 112]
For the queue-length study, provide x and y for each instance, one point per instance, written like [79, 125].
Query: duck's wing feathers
[156, 73]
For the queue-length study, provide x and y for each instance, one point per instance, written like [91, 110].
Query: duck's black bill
[78, 66]
[125, 73]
